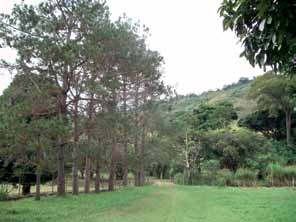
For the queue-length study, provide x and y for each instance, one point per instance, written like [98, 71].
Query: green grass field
[160, 203]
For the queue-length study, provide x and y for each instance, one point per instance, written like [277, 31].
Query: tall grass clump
[4, 191]
[245, 177]
[281, 176]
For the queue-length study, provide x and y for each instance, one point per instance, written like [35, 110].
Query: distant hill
[235, 93]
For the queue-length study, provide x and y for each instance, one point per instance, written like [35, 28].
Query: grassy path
[165, 203]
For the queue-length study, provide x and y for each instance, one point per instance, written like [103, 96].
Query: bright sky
[199, 56]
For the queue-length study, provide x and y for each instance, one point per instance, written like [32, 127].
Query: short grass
[160, 203]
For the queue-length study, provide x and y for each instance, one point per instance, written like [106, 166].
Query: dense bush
[245, 177]
[207, 177]
[234, 148]
[179, 179]
[208, 174]
[224, 178]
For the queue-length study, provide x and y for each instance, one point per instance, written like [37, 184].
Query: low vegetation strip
[160, 203]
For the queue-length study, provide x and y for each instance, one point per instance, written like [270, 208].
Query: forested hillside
[235, 93]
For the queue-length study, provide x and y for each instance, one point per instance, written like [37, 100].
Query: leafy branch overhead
[266, 29]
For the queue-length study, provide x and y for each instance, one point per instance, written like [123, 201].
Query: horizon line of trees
[216, 147]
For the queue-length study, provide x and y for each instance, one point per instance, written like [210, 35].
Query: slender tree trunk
[161, 173]
[26, 189]
[87, 174]
[137, 152]
[187, 164]
[52, 184]
[125, 160]
[112, 167]
[61, 148]
[137, 172]
[141, 157]
[125, 165]
[75, 179]
[38, 171]
[98, 177]
[61, 171]
[288, 126]
[82, 173]
[125, 155]
[88, 160]
[38, 176]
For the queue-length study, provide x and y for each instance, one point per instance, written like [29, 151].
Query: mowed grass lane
[167, 203]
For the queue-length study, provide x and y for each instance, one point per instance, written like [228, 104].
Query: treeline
[241, 81]
[82, 96]
[214, 147]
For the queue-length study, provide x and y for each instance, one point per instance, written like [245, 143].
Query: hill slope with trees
[235, 93]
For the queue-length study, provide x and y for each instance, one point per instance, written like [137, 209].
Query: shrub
[245, 177]
[290, 172]
[207, 177]
[179, 179]
[224, 178]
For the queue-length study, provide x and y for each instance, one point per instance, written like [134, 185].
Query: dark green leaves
[266, 29]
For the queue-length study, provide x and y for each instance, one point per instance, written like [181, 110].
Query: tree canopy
[266, 29]
[274, 92]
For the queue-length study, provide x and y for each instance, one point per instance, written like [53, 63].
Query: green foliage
[266, 30]
[281, 176]
[179, 179]
[28, 122]
[234, 148]
[83, 81]
[210, 165]
[245, 177]
[282, 153]
[208, 175]
[271, 125]
[273, 92]
[224, 177]
[212, 145]
[234, 93]
[211, 117]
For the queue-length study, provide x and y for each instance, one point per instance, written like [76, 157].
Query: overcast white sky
[199, 56]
